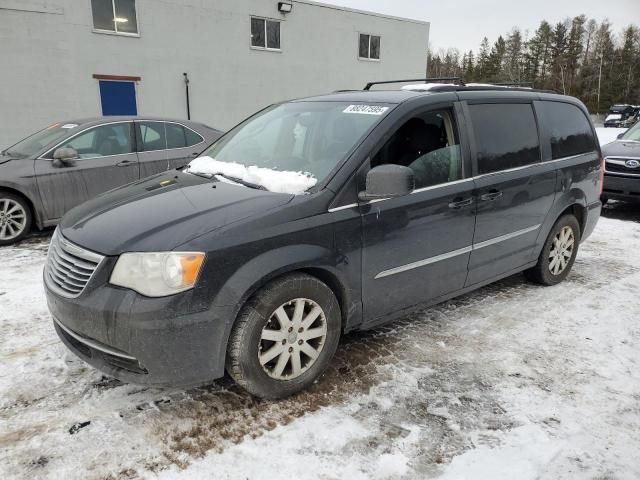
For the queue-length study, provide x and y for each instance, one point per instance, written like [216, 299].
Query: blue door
[118, 98]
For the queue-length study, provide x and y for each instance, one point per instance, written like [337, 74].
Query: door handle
[491, 196]
[124, 163]
[457, 204]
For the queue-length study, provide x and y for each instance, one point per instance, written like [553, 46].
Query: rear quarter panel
[579, 180]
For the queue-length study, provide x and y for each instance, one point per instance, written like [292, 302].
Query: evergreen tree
[577, 56]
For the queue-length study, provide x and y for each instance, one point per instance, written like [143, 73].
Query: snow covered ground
[514, 381]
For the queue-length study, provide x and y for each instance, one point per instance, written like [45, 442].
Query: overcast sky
[462, 23]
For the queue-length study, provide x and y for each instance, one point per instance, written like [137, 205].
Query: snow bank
[608, 135]
[278, 181]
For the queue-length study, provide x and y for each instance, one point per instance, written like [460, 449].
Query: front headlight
[157, 274]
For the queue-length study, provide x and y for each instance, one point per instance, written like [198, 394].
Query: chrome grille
[619, 165]
[69, 267]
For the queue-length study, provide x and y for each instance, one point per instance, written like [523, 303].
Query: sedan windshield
[290, 147]
[633, 134]
[36, 142]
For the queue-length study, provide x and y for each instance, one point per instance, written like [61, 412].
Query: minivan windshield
[292, 146]
[633, 134]
[36, 142]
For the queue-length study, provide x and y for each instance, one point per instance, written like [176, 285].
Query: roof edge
[362, 12]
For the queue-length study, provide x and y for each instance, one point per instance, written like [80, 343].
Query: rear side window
[165, 135]
[568, 127]
[192, 137]
[506, 136]
[175, 136]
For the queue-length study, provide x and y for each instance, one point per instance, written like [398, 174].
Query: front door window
[428, 144]
[102, 141]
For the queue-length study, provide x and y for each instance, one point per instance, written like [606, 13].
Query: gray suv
[67, 163]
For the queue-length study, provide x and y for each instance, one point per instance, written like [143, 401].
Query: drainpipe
[186, 88]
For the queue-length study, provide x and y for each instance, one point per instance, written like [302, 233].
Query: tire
[15, 218]
[561, 246]
[260, 328]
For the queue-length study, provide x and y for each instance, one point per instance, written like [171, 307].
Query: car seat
[107, 142]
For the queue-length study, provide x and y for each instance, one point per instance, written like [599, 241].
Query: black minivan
[320, 216]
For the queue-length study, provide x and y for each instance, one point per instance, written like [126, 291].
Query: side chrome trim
[538, 164]
[441, 185]
[422, 263]
[454, 253]
[343, 207]
[419, 190]
[93, 344]
[502, 238]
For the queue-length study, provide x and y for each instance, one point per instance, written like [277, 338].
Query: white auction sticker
[69, 125]
[366, 109]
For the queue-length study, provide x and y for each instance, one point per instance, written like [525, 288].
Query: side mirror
[64, 157]
[388, 181]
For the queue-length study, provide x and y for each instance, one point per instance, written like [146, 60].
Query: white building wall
[49, 53]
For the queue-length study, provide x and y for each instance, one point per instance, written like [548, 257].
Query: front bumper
[618, 187]
[142, 340]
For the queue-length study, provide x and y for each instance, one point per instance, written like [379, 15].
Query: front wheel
[558, 254]
[285, 337]
[15, 218]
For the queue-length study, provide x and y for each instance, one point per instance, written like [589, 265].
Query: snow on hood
[613, 116]
[295, 183]
[608, 135]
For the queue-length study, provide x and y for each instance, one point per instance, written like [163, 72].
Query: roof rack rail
[425, 80]
[513, 84]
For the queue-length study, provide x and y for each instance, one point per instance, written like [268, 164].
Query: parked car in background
[67, 163]
[242, 261]
[622, 167]
[622, 116]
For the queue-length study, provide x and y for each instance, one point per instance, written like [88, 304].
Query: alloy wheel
[13, 219]
[292, 339]
[561, 250]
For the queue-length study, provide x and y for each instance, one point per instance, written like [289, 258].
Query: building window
[265, 33]
[369, 47]
[117, 16]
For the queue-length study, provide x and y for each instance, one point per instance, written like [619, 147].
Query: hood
[6, 159]
[162, 212]
[621, 148]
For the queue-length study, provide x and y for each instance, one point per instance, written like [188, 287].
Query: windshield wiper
[241, 181]
[229, 177]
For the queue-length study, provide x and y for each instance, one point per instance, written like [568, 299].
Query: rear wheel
[284, 337]
[558, 254]
[15, 218]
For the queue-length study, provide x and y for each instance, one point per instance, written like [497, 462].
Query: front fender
[271, 264]
[258, 271]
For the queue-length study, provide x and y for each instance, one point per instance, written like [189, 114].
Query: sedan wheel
[15, 219]
[561, 250]
[292, 339]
